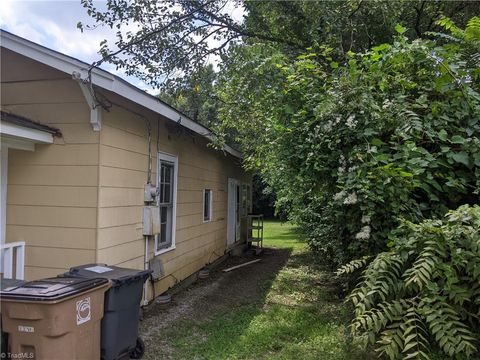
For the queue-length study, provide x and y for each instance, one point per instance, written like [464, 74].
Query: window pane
[168, 173]
[162, 173]
[162, 193]
[167, 198]
[168, 230]
[163, 214]
[206, 204]
[166, 183]
[163, 233]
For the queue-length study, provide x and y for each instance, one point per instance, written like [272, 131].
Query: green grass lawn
[297, 316]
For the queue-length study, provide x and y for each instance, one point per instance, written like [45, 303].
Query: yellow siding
[80, 199]
[123, 173]
[52, 193]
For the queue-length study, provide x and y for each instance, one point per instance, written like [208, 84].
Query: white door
[233, 216]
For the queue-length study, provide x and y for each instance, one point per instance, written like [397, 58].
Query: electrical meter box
[151, 220]
[150, 193]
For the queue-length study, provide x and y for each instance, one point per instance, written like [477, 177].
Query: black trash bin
[4, 284]
[122, 308]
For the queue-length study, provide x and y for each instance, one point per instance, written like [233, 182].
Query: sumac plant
[424, 292]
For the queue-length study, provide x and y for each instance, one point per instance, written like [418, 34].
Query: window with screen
[167, 179]
[207, 205]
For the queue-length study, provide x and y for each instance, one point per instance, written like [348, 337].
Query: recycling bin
[122, 308]
[4, 284]
[55, 318]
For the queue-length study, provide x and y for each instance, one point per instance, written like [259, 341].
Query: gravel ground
[207, 297]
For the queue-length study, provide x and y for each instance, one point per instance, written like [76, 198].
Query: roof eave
[105, 80]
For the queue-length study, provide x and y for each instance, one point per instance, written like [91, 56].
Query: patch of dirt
[212, 295]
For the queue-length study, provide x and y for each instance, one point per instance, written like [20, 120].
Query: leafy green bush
[425, 291]
[350, 148]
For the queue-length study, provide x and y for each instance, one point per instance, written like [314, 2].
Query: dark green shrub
[423, 293]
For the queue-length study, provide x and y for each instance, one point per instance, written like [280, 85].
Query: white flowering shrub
[393, 134]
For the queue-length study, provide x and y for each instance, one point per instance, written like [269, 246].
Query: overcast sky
[54, 24]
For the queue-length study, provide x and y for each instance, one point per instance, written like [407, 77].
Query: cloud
[53, 24]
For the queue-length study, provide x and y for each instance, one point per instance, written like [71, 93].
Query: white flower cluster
[343, 164]
[351, 199]
[331, 123]
[351, 122]
[339, 196]
[365, 219]
[386, 104]
[364, 233]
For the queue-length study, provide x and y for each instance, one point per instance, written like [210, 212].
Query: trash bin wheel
[139, 350]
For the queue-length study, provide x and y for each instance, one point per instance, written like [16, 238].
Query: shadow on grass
[285, 307]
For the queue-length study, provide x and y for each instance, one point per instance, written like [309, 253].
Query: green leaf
[288, 109]
[461, 157]
[377, 142]
[442, 135]
[476, 159]
[400, 29]
[457, 139]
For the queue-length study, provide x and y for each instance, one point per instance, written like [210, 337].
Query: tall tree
[196, 96]
[174, 38]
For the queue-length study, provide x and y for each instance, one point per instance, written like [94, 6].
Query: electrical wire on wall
[102, 102]
[158, 135]
[106, 104]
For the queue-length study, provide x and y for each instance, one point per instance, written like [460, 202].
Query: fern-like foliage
[425, 292]
[353, 266]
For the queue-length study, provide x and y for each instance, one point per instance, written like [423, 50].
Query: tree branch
[242, 32]
[418, 20]
[148, 35]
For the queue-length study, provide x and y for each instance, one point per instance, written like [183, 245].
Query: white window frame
[172, 159]
[210, 210]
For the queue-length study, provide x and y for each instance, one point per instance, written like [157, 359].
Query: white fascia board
[17, 144]
[25, 133]
[105, 80]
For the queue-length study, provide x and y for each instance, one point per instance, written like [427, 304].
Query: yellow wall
[123, 174]
[52, 192]
[80, 200]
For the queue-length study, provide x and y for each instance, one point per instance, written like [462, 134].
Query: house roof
[22, 121]
[105, 80]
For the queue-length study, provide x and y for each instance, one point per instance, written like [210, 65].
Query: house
[91, 163]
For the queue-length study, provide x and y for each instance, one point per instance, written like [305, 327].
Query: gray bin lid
[7, 283]
[50, 289]
[117, 275]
